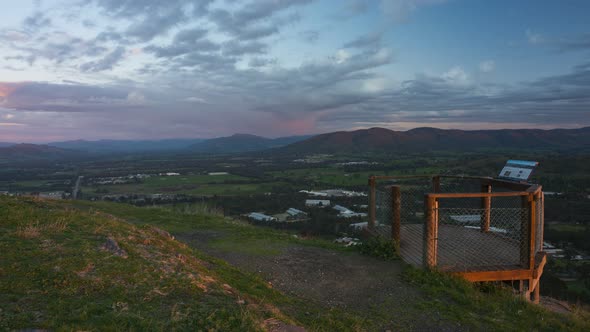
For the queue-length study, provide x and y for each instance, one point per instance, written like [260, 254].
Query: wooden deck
[462, 249]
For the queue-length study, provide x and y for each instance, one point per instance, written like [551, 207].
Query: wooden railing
[532, 259]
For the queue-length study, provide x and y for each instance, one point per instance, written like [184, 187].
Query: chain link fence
[470, 233]
[412, 192]
[463, 244]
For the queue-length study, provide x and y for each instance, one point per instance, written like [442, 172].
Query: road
[77, 187]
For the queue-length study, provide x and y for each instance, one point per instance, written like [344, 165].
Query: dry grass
[36, 229]
[30, 231]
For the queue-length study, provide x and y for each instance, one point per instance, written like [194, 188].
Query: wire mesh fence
[465, 244]
[470, 233]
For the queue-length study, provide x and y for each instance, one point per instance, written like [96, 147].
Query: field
[200, 185]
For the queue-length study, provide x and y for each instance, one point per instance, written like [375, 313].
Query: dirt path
[335, 279]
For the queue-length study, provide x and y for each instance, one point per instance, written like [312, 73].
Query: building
[346, 213]
[333, 193]
[292, 212]
[359, 225]
[341, 209]
[261, 217]
[52, 195]
[314, 193]
[317, 202]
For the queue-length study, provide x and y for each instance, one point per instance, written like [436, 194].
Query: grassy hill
[98, 266]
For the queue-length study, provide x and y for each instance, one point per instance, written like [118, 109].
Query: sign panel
[518, 170]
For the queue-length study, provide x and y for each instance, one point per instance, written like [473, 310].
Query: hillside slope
[72, 270]
[430, 139]
[101, 266]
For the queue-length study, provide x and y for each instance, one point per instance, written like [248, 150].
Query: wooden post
[429, 240]
[532, 232]
[436, 184]
[396, 219]
[537, 292]
[525, 292]
[372, 203]
[542, 221]
[524, 234]
[486, 205]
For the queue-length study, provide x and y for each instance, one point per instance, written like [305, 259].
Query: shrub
[378, 247]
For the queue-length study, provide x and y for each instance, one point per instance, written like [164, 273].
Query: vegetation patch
[378, 247]
[487, 306]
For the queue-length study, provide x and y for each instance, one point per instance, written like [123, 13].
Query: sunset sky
[151, 69]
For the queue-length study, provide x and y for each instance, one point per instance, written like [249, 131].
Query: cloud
[152, 18]
[156, 24]
[261, 62]
[48, 97]
[351, 9]
[176, 49]
[36, 22]
[106, 63]
[310, 36]
[534, 38]
[198, 63]
[369, 40]
[236, 48]
[560, 100]
[578, 43]
[257, 19]
[55, 46]
[487, 66]
[400, 10]
[456, 76]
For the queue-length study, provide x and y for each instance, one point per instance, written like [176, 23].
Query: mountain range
[358, 141]
[430, 139]
[35, 151]
[126, 146]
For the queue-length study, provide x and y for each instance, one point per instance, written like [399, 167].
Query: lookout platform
[479, 228]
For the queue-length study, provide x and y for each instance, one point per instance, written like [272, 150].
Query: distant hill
[34, 151]
[243, 143]
[110, 146]
[5, 144]
[428, 139]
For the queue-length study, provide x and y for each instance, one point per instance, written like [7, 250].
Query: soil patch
[334, 279]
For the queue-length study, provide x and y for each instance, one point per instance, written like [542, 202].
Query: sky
[152, 69]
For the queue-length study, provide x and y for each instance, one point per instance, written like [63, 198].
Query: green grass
[335, 176]
[54, 275]
[236, 234]
[487, 306]
[159, 181]
[200, 185]
[566, 227]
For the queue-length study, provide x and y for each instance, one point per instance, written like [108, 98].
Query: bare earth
[335, 279]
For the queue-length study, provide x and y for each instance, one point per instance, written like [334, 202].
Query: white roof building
[294, 212]
[346, 213]
[261, 217]
[359, 225]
